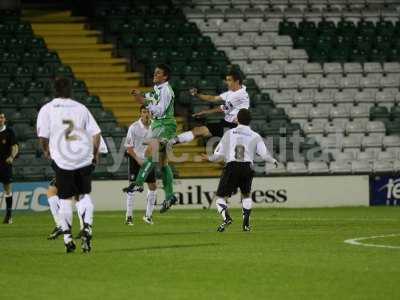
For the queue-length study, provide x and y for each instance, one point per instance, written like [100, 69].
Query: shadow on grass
[157, 248]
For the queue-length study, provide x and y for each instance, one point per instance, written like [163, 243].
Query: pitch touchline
[357, 242]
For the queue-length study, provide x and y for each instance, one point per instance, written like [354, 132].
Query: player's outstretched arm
[139, 98]
[207, 112]
[208, 98]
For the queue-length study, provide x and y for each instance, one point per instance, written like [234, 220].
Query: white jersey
[70, 128]
[234, 101]
[136, 136]
[241, 144]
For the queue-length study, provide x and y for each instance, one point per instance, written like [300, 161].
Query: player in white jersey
[237, 148]
[54, 201]
[70, 136]
[136, 148]
[234, 99]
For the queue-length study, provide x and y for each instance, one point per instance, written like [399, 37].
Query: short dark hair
[244, 116]
[63, 87]
[235, 74]
[143, 107]
[166, 69]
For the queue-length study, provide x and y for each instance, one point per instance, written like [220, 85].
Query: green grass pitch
[290, 254]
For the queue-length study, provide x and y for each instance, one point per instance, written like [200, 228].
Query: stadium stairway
[90, 60]
[106, 76]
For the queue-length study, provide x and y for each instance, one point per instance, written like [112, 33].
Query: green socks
[167, 179]
[144, 171]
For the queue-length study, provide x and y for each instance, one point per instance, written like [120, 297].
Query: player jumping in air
[160, 103]
[234, 99]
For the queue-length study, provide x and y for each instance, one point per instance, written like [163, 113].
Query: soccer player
[136, 147]
[8, 152]
[237, 148]
[234, 99]
[160, 103]
[54, 201]
[70, 136]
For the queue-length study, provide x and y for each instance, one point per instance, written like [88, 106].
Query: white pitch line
[357, 242]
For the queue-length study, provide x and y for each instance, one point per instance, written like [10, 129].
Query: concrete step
[58, 27]
[115, 83]
[110, 91]
[109, 76]
[80, 47]
[76, 55]
[51, 16]
[96, 68]
[90, 61]
[68, 33]
[72, 40]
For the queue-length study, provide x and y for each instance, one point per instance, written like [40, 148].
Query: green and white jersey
[160, 102]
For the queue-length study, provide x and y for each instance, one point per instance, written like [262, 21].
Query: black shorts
[133, 170]
[235, 175]
[5, 173]
[73, 182]
[218, 128]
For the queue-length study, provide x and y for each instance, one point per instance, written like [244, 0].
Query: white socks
[151, 200]
[65, 217]
[221, 207]
[129, 204]
[185, 137]
[54, 208]
[85, 210]
[247, 203]
[77, 205]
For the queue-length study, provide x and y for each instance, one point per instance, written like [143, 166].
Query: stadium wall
[285, 192]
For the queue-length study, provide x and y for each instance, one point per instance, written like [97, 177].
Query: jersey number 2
[69, 129]
[239, 152]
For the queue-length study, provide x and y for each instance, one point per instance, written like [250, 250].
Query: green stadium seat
[276, 113]
[41, 72]
[7, 103]
[288, 28]
[395, 112]
[366, 28]
[15, 89]
[63, 71]
[27, 102]
[378, 113]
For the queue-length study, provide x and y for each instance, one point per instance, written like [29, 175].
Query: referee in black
[8, 152]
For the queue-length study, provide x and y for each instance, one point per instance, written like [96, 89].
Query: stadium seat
[317, 167]
[361, 167]
[296, 168]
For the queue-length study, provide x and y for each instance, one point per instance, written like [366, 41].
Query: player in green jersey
[160, 102]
